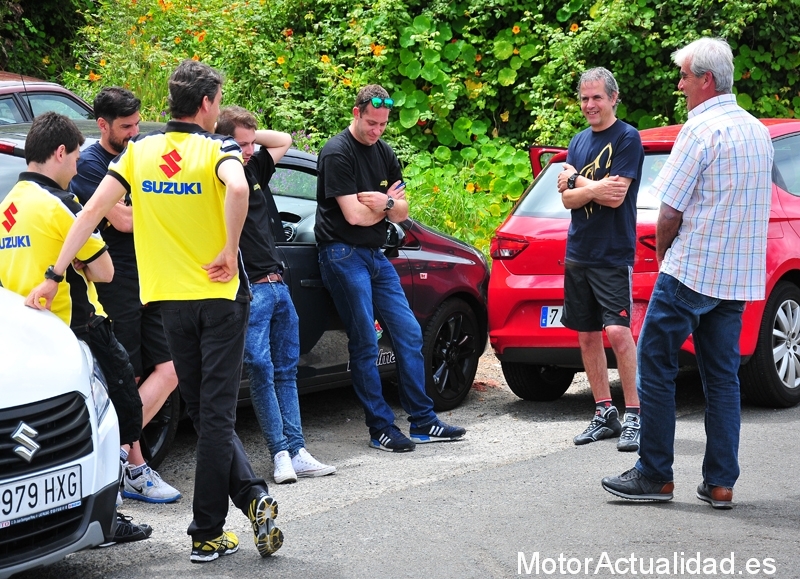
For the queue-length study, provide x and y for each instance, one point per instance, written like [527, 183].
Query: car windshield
[293, 183]
[543, 199]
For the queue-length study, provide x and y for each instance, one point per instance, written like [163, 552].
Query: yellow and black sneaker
[268, 538]
[205, 551]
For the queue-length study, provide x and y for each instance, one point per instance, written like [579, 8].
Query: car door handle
[311, 283]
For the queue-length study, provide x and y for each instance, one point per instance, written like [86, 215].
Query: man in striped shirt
[711, 239]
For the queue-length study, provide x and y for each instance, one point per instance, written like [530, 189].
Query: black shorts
[138, 327]
[596, 297]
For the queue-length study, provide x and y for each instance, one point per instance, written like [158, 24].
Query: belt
[269, 278]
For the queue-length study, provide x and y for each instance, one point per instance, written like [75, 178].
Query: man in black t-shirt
[272, 344]
[599, 183]
[359, 190]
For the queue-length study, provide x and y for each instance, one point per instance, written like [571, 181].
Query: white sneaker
[284, 472]
[149, 487]
[306, 465]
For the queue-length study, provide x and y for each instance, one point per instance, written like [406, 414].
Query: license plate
[40, 495]
[551, 317]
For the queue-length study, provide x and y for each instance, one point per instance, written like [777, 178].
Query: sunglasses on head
[379, 102]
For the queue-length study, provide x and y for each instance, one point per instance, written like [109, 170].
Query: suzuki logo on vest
[170, 188]
[171, 166]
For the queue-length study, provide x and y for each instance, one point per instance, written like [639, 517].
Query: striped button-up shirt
[719, 176]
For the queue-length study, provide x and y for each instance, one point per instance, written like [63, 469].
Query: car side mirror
[394, 239]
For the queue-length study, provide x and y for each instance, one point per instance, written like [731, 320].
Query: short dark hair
[235, 116]
[188, 84]
[47, 133]
[366, 93]
[113, 102]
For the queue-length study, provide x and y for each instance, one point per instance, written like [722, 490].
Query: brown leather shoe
[717, 497]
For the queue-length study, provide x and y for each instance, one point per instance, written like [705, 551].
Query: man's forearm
[667, 227]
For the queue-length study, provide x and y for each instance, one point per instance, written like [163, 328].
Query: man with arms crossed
[600, 183]
[189, 195]
[138, 327]
[711, 242]
[272, 346]
[359, 190]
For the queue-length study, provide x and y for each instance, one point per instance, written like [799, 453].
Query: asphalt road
[514, 498]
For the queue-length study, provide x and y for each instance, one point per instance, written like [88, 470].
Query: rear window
[544, 200]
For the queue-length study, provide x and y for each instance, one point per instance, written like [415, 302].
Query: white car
[59, 441]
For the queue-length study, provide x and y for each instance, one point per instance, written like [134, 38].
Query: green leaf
[461, 130]
[430, 71]
[483, 168]
[405, 38]
[528, 51]
[399, 98]
[563, 14]
[429, 55]
[503, 49]
[413, 69]
[468, 53]
[445, 33]
[409, 117]
[516, 62]
[507, 76]
[744, 101]
[451, 51]
[499, 185]
[479, 127]
[470, 154]
[406, 56]
[442, 154]
[756, 73]
[488, 151]
[422, 24]
[444, 135]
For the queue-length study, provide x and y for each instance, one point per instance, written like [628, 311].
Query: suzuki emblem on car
[24, 435]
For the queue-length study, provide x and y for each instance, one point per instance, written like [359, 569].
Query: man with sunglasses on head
[359, 191]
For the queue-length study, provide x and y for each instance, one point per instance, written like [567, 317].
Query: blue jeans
[271, 353]
[674, 312]
[364, 285]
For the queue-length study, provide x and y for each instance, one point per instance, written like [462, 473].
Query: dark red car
[23, 97]
[539, 356]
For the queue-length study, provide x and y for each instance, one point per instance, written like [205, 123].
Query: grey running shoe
[262, 512]
[605, 424]
[635, 486]
[717, 497]
[631, 430]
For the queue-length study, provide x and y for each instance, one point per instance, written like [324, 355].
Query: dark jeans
[364, 284]
[674, 312]
[206, 338]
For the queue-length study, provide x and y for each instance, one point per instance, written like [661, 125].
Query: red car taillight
[7, 148]
[506, 248]
[649, 241]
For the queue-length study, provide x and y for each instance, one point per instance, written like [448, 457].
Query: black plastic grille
[17, 540]
[64, 434]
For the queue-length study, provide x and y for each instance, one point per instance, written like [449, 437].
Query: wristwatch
[571, 180]
[50, 273]
[389, 203]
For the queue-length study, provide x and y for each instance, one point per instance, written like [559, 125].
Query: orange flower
[435, 189]
[94, 77]
[177, 40]
[325, 58]
[195, 57]
[347, 81]
[746, 74]
[478, 58]
[288, 32]
[573, 27]
[142, 19]
[376, 49]
[286, 85]
[516, 50]
[477, 73]
[281, 60]
[77, 66]
[504, 116]
[470, 187]
[202, 36]
[515, 30]
[102, 62]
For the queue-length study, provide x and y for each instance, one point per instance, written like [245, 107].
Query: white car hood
[41, 357]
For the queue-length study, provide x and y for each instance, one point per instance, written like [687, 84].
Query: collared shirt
[178, 208]
[719, 176]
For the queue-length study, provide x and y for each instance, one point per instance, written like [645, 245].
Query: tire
[537, 383]
[765, 380]
[451, 350]
[159, 433]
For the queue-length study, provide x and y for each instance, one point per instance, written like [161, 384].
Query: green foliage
[473, 80]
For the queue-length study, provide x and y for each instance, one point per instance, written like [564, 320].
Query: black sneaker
[267, 537]
[605, 424]
[392, 440]
[127, 531]
[717, 497]
[205, 551]
[631, 430]
[635, 486]
[436, 431]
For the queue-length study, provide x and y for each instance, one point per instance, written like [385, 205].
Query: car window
[43, 102]
[9, 112]
[786, 168]
[544, 200]
[293, 183]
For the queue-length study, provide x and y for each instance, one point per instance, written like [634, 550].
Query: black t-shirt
[347, 167]
[92, 167]
[263, 223]
[601, 236]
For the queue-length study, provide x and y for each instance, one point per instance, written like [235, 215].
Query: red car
[23, 97]
[540, 357]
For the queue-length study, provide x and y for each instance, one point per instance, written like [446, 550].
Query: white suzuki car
[59, 441]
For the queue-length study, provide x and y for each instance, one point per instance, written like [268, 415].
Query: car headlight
[98, 384]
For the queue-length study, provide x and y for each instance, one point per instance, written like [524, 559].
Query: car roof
[667, 135]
